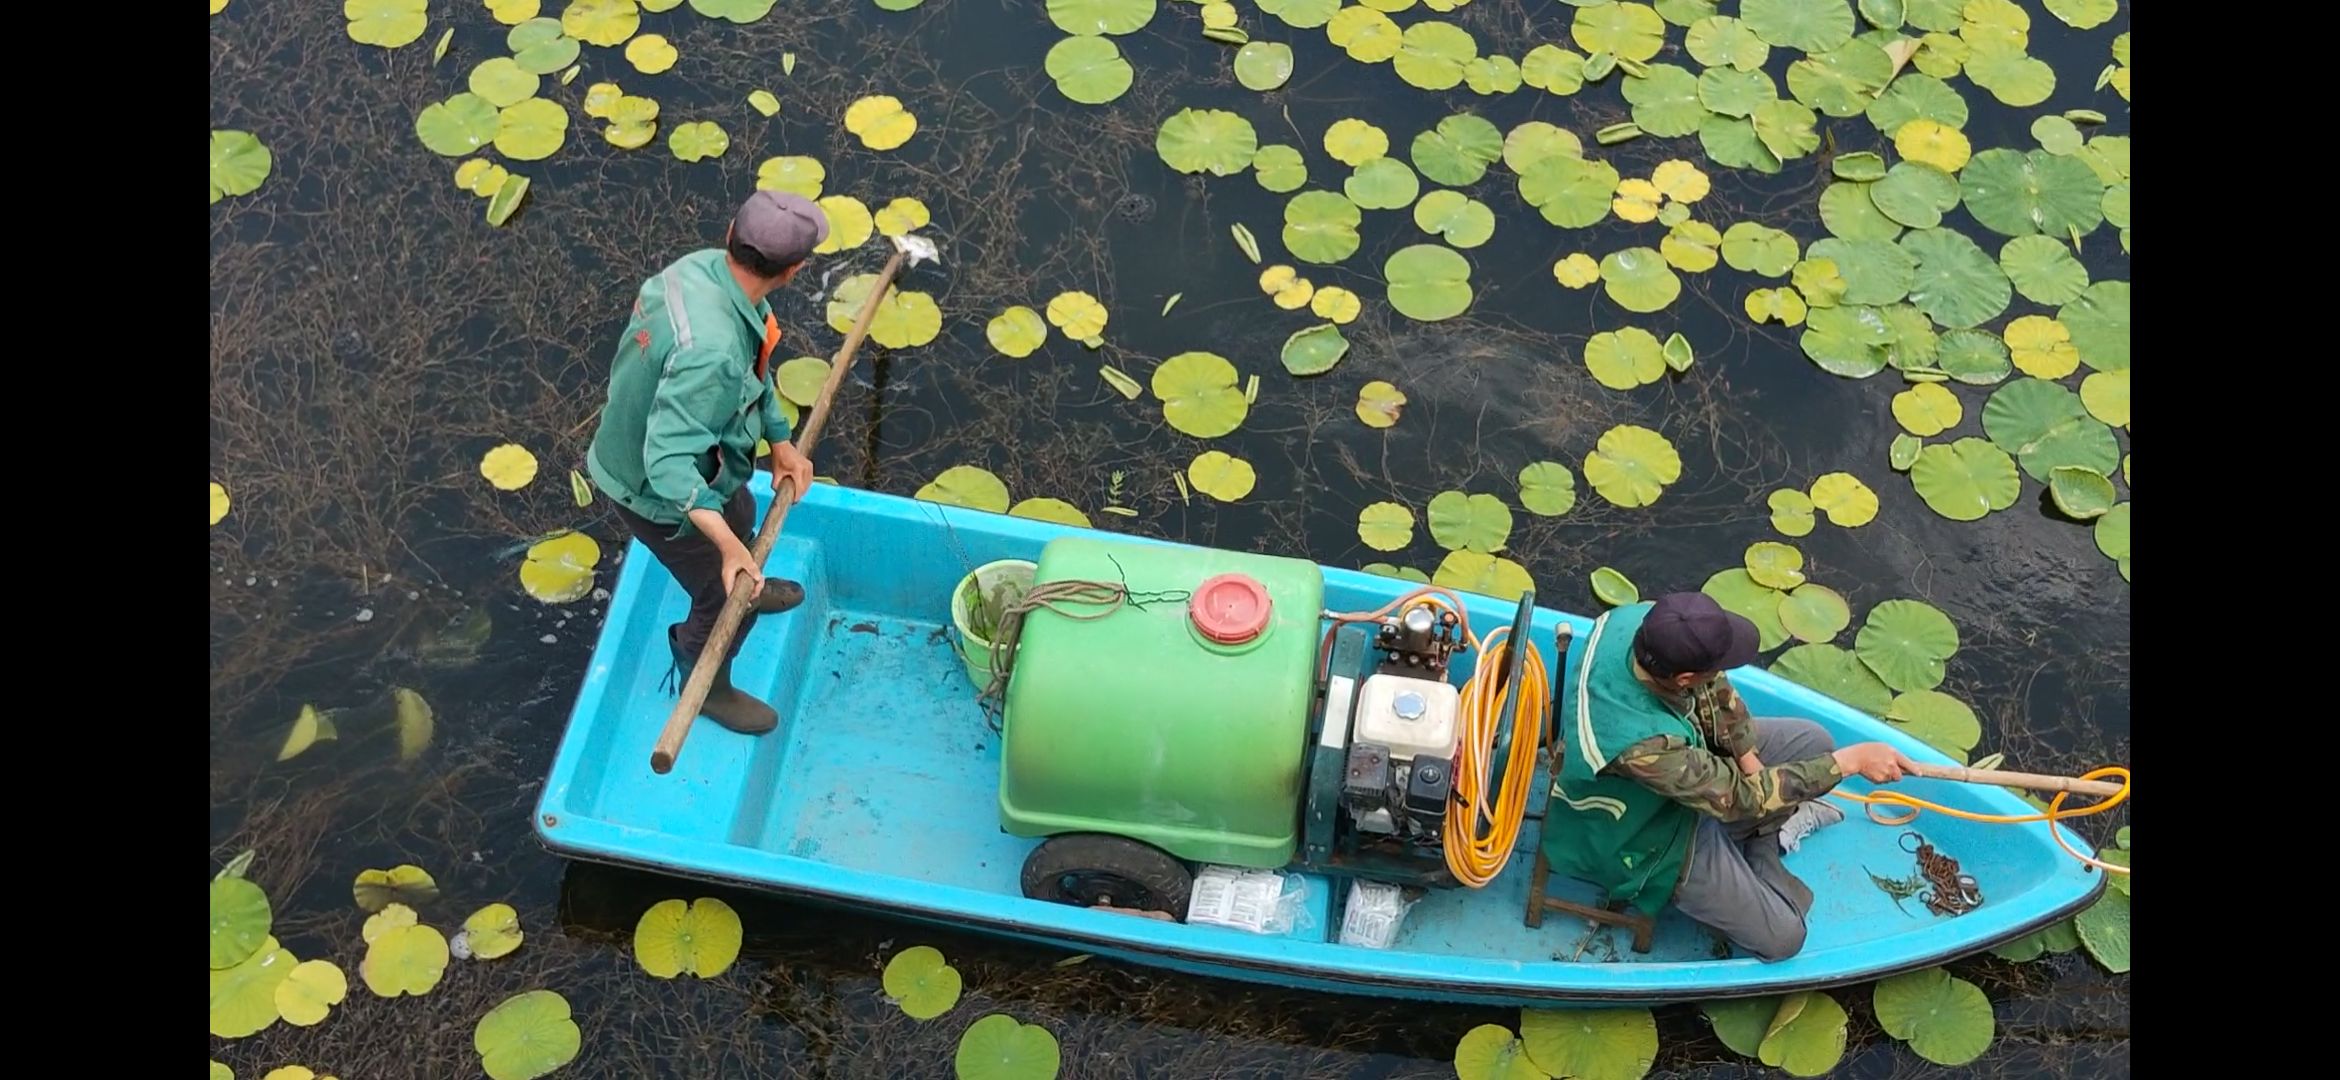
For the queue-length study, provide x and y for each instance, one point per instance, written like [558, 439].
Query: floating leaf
[1335, 303]
[1938, 720]
[387, 23]
[1631, 465]
[1835, 672]
[1945, 1019]
[920, 982]
[531, 130]
[309, 992]
[2112, 535]
[1279, 168]
[404, 960]
[1974, 357]
[1614, 588]
[2104, 926]
[1198, 394]
[1385, 526]
[2044, 425]
[505, 200]
[1487, 575]
[1092, 17]
[902, 320]
[1458, 219]
[1624, 359]
[243, 997]
[2099, 324]
[308, 728]
[1637, 200]
[403, 884]
[998, 1047]
[1758, 249]
[2080, 492]
[1739, 593]
[1639, 280]
[1907, 643]
[1814, 613]
[1379, 404]
[1428, 282]
[1469, 522]
[1321, 227]
[1056, 510]
[1904, 451]
[1315, 350]
[238, 163]
[1220, 476]
[1354, 142]
[240, 918]
[1458, 150]
[1547, 488]
[1569, 191]
[509, 467]
[491, 932]
[1927, 409]
[1432, 55]
[1665, 101]
[559, 569]
[454, 127]
[764, 102]
[1206, 140]
[2106, 396]
[1016, 332]
[1246, 241]
[1966, 479]
[794, 174]
[701, 938]
[971, 486]
[1120, 381]
[699, 141]
[526, 1036]
[1384, 183]
[880, 121]
[2018, 193]
[1775, 565]
[1576, 271]
[1955, 282]
[1366, 35]
[1091, 70]
[2043, 269]
[1846, 500]
[1591, 1044]
[1791, 512]
[1489, 1052]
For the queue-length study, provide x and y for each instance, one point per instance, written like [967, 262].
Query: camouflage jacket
[1710, 780]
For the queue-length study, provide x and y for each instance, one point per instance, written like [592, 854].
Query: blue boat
[881, 792]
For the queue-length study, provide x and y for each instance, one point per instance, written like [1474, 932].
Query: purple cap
[1688, 632]
[785, 227]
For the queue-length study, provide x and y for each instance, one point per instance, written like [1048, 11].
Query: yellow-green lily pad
[920, 982]
[406, 960]
[701, 938]
[526, 1036]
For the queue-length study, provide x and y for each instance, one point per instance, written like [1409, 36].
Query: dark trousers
[697, 565]
[1736, 884]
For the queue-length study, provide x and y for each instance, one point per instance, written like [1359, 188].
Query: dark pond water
[372, 337]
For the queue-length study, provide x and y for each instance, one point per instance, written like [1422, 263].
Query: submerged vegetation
[1744, 269]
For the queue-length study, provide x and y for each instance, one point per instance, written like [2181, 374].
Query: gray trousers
[1736, 884]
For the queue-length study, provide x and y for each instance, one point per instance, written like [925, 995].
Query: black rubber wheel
[1086, 869]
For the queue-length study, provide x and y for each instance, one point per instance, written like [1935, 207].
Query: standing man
[1670, 792]
[690, 394]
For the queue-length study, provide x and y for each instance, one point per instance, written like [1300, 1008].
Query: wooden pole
[2034, 781]
[694, 691]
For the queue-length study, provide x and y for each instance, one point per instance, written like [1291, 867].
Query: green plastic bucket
[975, 651]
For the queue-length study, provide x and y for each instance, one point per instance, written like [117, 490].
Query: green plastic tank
[1182, 724]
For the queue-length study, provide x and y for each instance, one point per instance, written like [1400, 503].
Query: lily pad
[740, 11]
[1366, 35]
[701, 938]
[1221, 476]
[651, 54]
[1489, 1052]
[1810, 25]
[1576, 271]
[2112, 536]
[2106, 396]
[1725, 41]
[1591, 1044]
[1841, 81]
[1847, 340]
[1487, 575]
[1907, 643]
[2011, 76]
[1315, 350]
[1938, 720]
[1379, 404]
[540, 46]
[1850, 212]
[902, 319]
[971, 486]
[1875, 272]
[1279, 168]
[998, 1047]
[1759, 249]
[2044, 425]
[1966, 479]
[1945, 1019]
[901, 217]
[1100, 16]
[310, 991]
[1791, 512]
[920, 982]
[1385, 526]
[405, 884]
[531, 130]
[404, 960]
[1354, 142]
[1428, 282]
[1457, 218]
[1814, 613]
[1460, 522]
[1017, 332]
[240, 919]
[1973, 357]
[1625, 30]
[792, 173]
[1915, 194]
[239, 164]
[1303, 14]
[454, 127]
[1836, 672]
[1384, 183]
[1774, 565]
[1730, 92]
[880, 122]
[1092, 71]
[1739, 593]
[1199, 396]
[2080, 492]
[2019, 193]
[1569, 191]
[606, 23]
[1904, 451]
[390, 24]
[2099, 323]
[1665, 101]
[1691, 247]
[1631, 465]
[1786, 128]
[243, 996]
[1056, 510]
[2043, 269]
[1552, 69]
[1078, 314]
[1847, 502]
[1927, 409]
[700, 140]
[1261, 65]
[1955, 282]
[1547, 488]
[1918, 96]
[490, 933]
[309, 727]
[557, 570]
[1458, 151]
[1614, 588]
[1534, 141]
[2104, 926]
[1321, 227]
[526, 1036]
[1625, 358]
[1639, 280]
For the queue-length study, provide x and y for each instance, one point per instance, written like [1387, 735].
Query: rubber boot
[727, 704]
[780, 594]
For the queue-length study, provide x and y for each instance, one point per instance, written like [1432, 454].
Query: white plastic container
[1410, 716]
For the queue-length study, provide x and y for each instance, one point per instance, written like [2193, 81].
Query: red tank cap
[1230, 609]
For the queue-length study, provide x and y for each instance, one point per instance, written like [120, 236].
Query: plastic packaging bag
[1261, 901]
[1373, 914]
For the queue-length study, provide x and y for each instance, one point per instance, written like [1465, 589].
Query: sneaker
[1807, 818]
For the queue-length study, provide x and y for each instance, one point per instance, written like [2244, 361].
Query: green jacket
[687, 403]
[1602, 827]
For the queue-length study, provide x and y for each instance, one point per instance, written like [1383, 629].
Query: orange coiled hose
[1482, 826]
